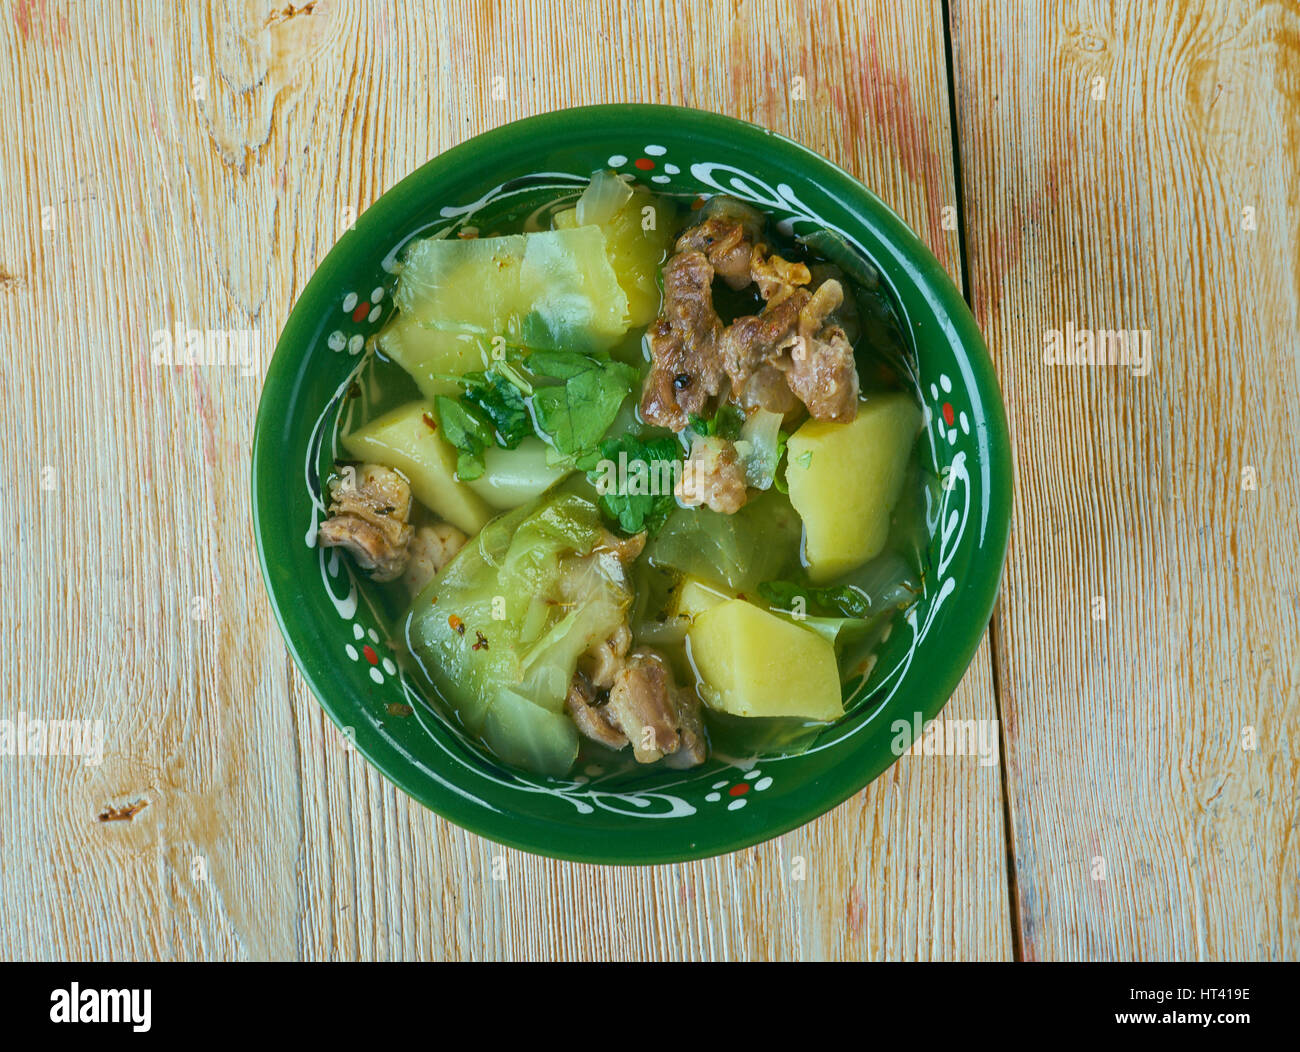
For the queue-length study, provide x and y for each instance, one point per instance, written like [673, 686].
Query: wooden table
[1100, 170]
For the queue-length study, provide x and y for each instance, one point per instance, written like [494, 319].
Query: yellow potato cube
[694, 596]
[845, 479]
[404, 440]
[754, 663]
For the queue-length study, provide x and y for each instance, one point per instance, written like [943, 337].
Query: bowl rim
[980, 585]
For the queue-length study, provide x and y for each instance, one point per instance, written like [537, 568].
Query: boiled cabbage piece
[735, 551]
[500, 629]
[512, 477]
[552, 289]
[638, 228]
[466, 303]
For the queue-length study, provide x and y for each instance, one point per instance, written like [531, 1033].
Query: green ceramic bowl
[332, 618]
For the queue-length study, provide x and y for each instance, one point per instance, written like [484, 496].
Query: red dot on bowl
[644, 163]
[362, 310]
[947, 413]
[371, 656]
[739, 789]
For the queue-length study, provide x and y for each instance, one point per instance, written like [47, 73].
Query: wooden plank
[1128, 171]
[195, 168]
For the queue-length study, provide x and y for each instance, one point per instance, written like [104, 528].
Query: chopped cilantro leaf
[837, 600]
[726, 422]
[640, 494]
[576, 412]
[469, 432]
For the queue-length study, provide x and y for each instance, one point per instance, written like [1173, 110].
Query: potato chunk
[756, 664]
[405, 439]
[845, 479]
[693, 596]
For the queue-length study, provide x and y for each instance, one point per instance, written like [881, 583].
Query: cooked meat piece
[644, 707]
[820, 368]
[430, 550]
[692, 739]
[590, 713]
[668, 358]
[776, 277]
[826, 299]
[625, 548]
[726, 243]
[688, 299]
[791, 335]
[687, 365]
[368, 513]
[657, 716]
[713, 476]
[846, 314]
[757, 339]
[766, 389]
[822, 372]
[659, 403]
[732, 209]
[601, 663]
[789, 340]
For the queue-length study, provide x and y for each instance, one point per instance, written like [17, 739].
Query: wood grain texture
[1130, 170]
[190, 169]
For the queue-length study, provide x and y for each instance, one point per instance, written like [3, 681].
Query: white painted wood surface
[1128, 171]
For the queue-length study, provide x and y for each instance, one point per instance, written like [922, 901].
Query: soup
[638, 479]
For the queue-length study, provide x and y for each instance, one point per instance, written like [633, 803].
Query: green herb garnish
[726, 422]
[502, 403]
[836, 601]
[778, 475]
[469, 432]
[576, 412]
[643, 479]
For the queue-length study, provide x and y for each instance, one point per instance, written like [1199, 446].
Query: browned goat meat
[825, 300]
[601, 662]
[368, 513]
[786, 354]
[659, 404]
[727, 245]
[759, 339]
[687, 365]
[659, 718]
[645, 708]
[823, 373]
[820, 367]
[625, 549]
[713, 476]
[776, 277]
[587, 706]
[430, 550]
